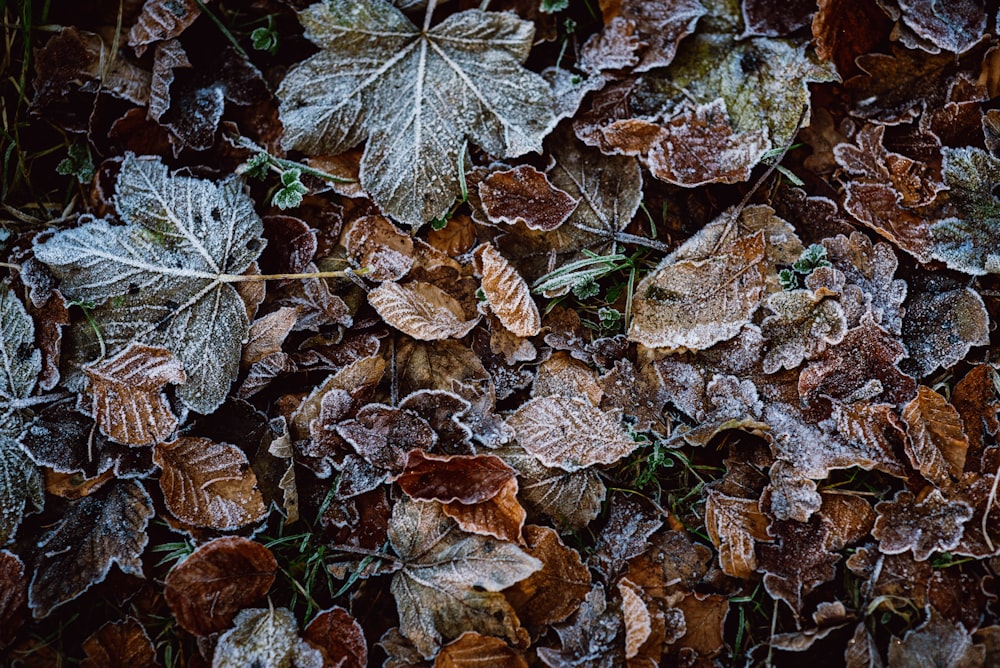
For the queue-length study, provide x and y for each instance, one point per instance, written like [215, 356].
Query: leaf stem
[11, 265]
[431, 5]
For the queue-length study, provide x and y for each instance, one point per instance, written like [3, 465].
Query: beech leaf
[508, 294]
[128, 402]
[208, 484]
[122, 644]
[163, 278]
[416, 95]
[570, 433]
[106, 527]
[937, 443]
[422, 310]
[450, 580]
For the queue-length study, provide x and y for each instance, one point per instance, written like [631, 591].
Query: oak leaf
[208, 484]
[936, 642]
[416, 95]
[216, 581]
[265, 637]
[97, 531]
[954, 26]
[163, 278]
[128, 401]
[933, 524]
[450, 580]
[803, 325]
[570, 433]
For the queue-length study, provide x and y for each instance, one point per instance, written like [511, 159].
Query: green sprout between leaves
[811, 259]
[265, 38]
[772, 155]
[78, 163]
[290, 194]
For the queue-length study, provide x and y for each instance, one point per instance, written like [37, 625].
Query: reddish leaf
[339, 637]
[471, 650]
[525, 195]
[13, 595]
[123, 644]
[220, 578]
[500, 516]
[453, 478]
[556, 591]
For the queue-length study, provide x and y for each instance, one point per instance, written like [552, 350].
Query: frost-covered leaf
[266, 335]
[735, 525]
[525, 195]
[803, 325]
[20, 362]
[340, 637]
[635, 616]
[13, 595]
[570, 433]
[383, 435]
[106, 527]
[697, 303]
[631, 521]
[555, 592]
[967, 240]
[870, 268]
[934, 524]
[774, 19]
[208, 484]
[20, 485]
[122, 644]
[375, 244]
[416, 95]
[265, 637]
[896, 88]
[590, 637]
[500, 516]
[507, 293]
[162, 20]
[937, 443]
[422, 310]
[953, 26]
[216, 581]
[162, 278]
[800, 561]
[450, 580]
[128, 401]
[659, 24]
[943, 321]
[453, 478]
[936, 642]
[471, 650]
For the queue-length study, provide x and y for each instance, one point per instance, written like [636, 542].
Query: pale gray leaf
[265, 637]
[20, 362]
[20, 484]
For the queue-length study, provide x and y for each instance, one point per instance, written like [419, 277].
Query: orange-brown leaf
[508, 294]
[127, 390]
[555, 592]
[500, 516]
[122, 644]
[339, 637]
[422, 310]
[524, 194]
[472, 650]
[465, 479]
[937, 443]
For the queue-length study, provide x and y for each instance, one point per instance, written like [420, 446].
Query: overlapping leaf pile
[526, 357]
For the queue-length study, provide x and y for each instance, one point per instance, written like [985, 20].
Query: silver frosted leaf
[20, 362]
[162, 279]
[263, 637]
[416, 96]
[20, 484]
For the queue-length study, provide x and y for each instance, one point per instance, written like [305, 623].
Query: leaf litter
[555, 333]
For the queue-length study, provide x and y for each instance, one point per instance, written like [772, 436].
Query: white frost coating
[417, 97]
[264, 637]
[161, 279]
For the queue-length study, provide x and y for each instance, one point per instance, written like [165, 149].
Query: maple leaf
[450, 581]
[265, 637]
[164, 278]
[106, 527]
[416, 95]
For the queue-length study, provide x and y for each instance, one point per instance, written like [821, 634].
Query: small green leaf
[439, 223]
[257, 166]
[788, 279]
[553, 6]
[586, 289]
[266, 38]
[78, 163]
[290, 196]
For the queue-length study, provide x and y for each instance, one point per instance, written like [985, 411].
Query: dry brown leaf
[340, 637]
[553, 593]
[943, 322]
[472, 650]
[937, 443]
[561, 375]
[705, 618]
[128, 400]
[735, 525]
[464, 479]
[375, 244]
[570, 433]
[217, 580]
[13, 595]
[208, 484]
[161, 20]
[422, 310]
[122, 644]
[803, 325]
[636, 616]
[383, 435]
[507, 293]
[923, 527]
[799, 562]
[936, 642]
[266, 335]
[500, 516]
[525, 195]
[695, 304]
[590, 637]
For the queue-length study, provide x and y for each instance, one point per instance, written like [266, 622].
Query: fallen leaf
[553, 593]
[20, 486]
[896, 88]
[208, 484]
[937, 444]
[168, 56]
[375, 244]
[735, 525]
[570, 433]
[659, 25]
[265, 637]
[631, 522]
[421, 310]
[453, 478]
[95, 532]
[966, 241]
[507, 293]
[450, 581]
[636, 618]
[936, 642]
[471, 649]
[955, 26]
[161, 20]
[803, 325]
[340, 637]
[590, 636]
[775, 19]
[216, 581]
[524, 195]
[800, 561]
[934, 524]
[416, 140]
[122, 644]
[13, 596]
[266, 335]
[163, 278]
[845, 29]
[871, 268]
[128, 400]
[383, 435]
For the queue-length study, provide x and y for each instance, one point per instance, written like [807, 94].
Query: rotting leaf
[937, 443]
[422, 310]
[106, 527]
[208, 484]
[128, 401]
[450, 580]
[570, 433]
[216, 581]
[895, 88]
[265, 637]
[590, 637]
[697, 303]
[508, 295]
[933, 524]
[523, 194]
[164, 277]
[381, 78]
[123, 644]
